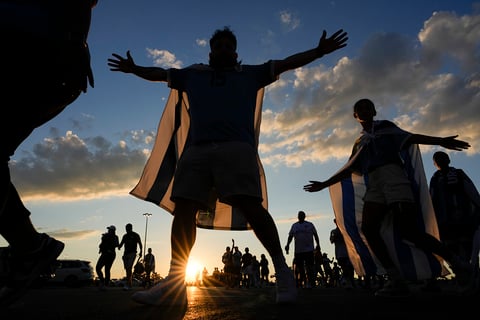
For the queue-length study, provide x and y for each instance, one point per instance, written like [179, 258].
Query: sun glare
[194, 271]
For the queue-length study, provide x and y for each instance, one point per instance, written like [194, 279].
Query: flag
[347, 202]
[155, 184]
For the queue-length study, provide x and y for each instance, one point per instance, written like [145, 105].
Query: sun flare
[194, 271]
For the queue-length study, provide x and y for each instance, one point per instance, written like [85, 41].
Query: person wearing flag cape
[381, 201]
[204, 167]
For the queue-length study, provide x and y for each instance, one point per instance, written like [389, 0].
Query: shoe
[126, 288]
[286, 287]
[393, 288]
[165, 293]
[26, 268]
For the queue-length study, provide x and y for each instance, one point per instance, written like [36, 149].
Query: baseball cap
[111, 228]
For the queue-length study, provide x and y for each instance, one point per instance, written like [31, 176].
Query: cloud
[69, 168]
[428, 96]
[289, 20]
[425, 85]
[164, 58]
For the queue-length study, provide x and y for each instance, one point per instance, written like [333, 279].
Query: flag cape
[155, 184]
[347, 201]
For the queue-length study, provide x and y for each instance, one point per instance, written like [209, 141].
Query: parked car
[72, 273]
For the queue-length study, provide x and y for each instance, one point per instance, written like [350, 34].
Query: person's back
[456, 203]
[305, 235]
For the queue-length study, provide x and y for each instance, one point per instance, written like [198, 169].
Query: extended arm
[315, 186]
[325, 46]
[447, 142]
[127, 65]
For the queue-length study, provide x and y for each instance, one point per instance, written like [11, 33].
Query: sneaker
[286, 287]
[26, 268]
[126, 288]
[165, 293]
[393, 288]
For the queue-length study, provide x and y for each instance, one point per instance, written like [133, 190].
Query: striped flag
[155, 184]
[347, 202]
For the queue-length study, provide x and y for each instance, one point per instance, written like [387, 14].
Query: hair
[226, 32]
[441, 158]
[364, 102]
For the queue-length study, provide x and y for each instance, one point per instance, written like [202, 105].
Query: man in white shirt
[304, 233]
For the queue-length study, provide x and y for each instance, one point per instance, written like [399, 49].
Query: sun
[194, 271]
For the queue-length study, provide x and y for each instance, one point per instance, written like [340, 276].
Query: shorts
[228, 168]
[388, 184]
[129, 260]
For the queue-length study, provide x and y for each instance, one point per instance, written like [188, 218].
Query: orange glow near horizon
[194, 271]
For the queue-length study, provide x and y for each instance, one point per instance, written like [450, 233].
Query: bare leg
[182, 239]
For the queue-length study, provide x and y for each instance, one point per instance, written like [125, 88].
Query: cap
[111, 228]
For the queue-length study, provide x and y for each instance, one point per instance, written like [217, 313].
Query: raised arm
[325, 46]
[127, 65]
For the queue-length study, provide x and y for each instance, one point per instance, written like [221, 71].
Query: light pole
[145, 242]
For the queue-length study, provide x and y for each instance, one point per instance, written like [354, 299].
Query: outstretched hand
[454, 144]
[315, 186]
[126, 65]
[336, 41]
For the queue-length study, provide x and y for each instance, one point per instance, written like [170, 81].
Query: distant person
[247, 258]
[306, 237]
[130, 240]
[227, 260]
[36, 88]
[378, 154]
[107, 247]
[219, 167]
[318, 263]
[264, 270]
[149, 261]
[341, 254]
[237, 266]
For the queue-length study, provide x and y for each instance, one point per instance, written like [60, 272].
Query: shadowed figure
[45, 66]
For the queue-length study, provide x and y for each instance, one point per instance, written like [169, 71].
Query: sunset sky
[419, 61]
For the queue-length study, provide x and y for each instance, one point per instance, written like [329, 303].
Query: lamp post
[145, 242]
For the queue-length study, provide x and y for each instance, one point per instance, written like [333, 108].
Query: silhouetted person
[377, 153]
[36, 88]
[149, 261]
[219, 165]
[131, 240]
[107, 250]
[306, 237]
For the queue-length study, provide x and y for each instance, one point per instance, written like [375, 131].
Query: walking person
[378, 153]
[149, 261]
[130, 240]
[219, 168]
[36, 90]
[305, 234]
[107, 247]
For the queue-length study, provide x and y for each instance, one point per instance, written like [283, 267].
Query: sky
[418, 61]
